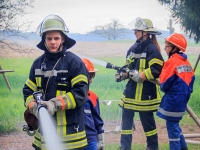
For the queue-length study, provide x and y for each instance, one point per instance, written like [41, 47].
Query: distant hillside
[89, 37]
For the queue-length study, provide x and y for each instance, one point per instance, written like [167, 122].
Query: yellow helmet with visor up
[52, 22]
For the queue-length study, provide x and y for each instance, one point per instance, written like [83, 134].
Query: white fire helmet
[52, 22]
[141, 24]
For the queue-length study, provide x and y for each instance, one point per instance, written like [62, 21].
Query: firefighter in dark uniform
[63, 78]
[144, 64]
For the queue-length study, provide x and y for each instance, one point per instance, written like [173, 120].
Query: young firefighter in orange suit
[176, 81]
[93, 120]
[144, 62]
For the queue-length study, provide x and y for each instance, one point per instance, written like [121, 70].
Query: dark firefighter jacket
[93, 120]
[145, 96]
[70, 79]
[176, 81]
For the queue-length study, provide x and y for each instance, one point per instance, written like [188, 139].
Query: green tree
[10, 10]
[187, 13]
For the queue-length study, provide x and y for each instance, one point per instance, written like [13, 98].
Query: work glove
[136, 76]
[33, 108]
[120, 76]
[100, 144]
[55, 104]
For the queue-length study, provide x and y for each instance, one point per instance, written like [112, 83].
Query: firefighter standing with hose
[144, 62]
[176, 81]
[63, 78]
[93, 121]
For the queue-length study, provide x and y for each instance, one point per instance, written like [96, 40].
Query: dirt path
[21, 141]
[91, 49]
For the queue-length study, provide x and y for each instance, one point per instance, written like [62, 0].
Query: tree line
[185, 12]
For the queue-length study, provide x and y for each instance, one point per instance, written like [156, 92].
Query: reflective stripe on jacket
[145, 96]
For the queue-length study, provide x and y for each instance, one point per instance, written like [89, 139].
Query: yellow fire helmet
[52, 22]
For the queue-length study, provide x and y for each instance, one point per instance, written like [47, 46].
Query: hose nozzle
[111, 66]
[38, 96]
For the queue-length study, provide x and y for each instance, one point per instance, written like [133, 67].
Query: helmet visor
[137, 24]
[52, 22]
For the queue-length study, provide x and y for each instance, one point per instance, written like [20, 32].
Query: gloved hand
[33, 108]
[100, 144]
[136, 76]
[31, 120]
[50, 106]
[120, 76]
[55, 104]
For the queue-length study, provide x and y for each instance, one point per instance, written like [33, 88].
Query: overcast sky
[81, 16]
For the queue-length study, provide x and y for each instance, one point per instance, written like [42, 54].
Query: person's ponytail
[154, 40]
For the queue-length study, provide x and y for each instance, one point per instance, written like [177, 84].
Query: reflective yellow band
[38, 81]
[31, 85]
[71, 103]
[138, 92]
[155, 61]
[60, 93]
[71, 141]
[61, 117]
[62, 129]
[158, 92]
[74, 136]
[141, 102]
[126, 132]
[151, 133]
[142, 65]
[121, 103]
[75, 145]
[141, 108]
[79, 78]
[141, 105]
[28, 100]
[148, 74]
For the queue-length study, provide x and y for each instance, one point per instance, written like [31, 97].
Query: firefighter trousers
[149, 127]
[176, 138]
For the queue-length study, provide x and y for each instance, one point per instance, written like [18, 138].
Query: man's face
[53, 40]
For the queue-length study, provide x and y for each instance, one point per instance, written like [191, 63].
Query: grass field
[12, 108]
[104, 85]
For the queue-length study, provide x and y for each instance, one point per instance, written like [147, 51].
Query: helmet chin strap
[141, 38]
[174, 50]
[59, 48]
